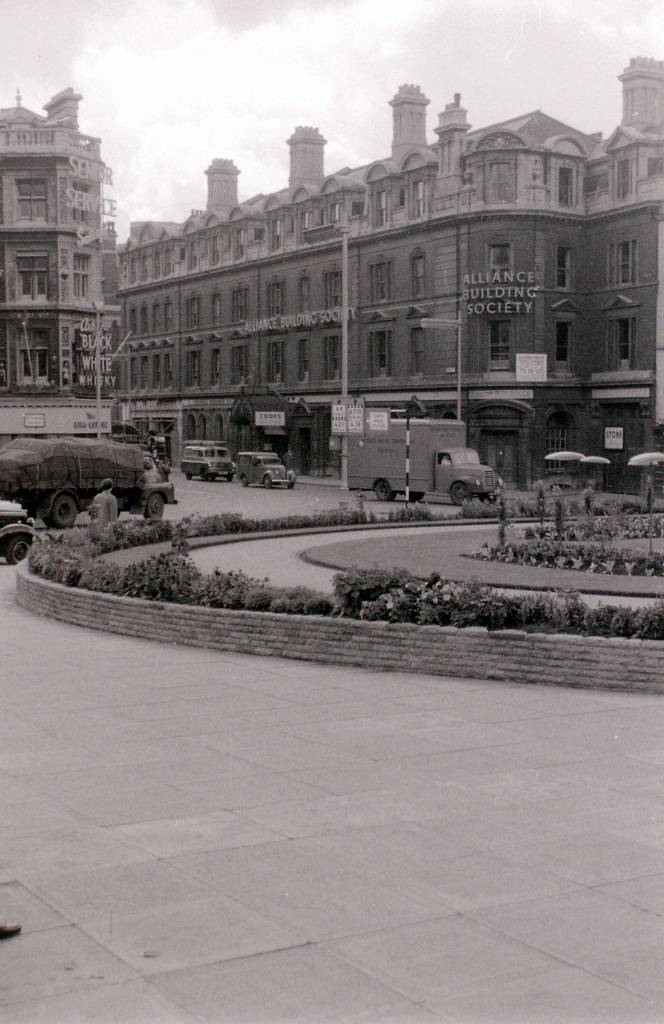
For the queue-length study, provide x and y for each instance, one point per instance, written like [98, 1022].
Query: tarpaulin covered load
[30, 463]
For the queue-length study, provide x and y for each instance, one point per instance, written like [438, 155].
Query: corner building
[543, 241]
[58, 267]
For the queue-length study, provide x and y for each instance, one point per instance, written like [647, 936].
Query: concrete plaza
[188, 836]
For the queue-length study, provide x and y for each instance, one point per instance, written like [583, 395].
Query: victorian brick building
[544, 241]
[54, 273]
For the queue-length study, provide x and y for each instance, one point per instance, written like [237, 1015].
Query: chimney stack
[64, 107]
[307, 158]
[409, 120]
[222, 178]
[643, 91]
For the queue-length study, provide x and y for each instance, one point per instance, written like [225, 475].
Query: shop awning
[266, 411]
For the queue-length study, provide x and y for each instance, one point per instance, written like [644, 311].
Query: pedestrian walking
[104, 506]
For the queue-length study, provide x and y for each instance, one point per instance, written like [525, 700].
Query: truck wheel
[63, 512]
[458, 492]
[244, 481]
[383, 491]
[154, 506]
[187, 476]
[17, 549]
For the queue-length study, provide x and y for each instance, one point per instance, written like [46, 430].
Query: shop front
[258, 423]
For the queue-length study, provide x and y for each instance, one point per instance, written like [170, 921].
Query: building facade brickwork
[51, 280]
[545, 242]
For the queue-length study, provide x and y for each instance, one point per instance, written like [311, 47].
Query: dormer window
[240, 243]
[501, 182]
[418, 199]
[276, 233]
[380, 208]
[565, 186]
[623, 178]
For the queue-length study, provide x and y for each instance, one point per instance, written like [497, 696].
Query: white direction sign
[338, 418]
[378, 420]
[355, 416]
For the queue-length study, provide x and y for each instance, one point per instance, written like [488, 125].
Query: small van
[264, 468]
[207, 459]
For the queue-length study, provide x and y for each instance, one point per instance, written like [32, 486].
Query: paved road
[420, 549]
[190, 836]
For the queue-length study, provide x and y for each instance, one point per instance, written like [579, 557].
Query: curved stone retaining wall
[508, 655]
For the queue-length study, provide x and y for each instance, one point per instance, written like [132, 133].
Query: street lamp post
[314, 236]
[343, 230]
[98, 306]
[431, 323]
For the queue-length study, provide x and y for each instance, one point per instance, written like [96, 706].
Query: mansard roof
[532, 129]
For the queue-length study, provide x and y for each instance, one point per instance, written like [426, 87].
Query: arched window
[190, 427]
[218, 427]
[201, 427]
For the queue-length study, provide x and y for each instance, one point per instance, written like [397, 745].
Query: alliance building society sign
[504, 292]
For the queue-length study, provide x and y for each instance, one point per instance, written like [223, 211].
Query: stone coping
[510, 655]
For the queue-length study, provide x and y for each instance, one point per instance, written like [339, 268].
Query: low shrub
[165, 577]
[357, 586]
[226, 589]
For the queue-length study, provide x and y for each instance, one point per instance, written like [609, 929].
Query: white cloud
[171, 84]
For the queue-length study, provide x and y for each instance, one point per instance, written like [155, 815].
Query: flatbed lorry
[440, 462]
[56, 478]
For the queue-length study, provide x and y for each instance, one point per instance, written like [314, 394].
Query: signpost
[348, 416]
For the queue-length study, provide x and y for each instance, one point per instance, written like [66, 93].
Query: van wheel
[458, 492]
[187, 476]
[383, 491]
[229, 477]
[267, 481]
[154, 506]
[244, 481]
[17, 549]
[416, 495]
[63, 512]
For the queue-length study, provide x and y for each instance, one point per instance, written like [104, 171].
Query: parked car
[16, 532]
[208, 460]
[264, 468]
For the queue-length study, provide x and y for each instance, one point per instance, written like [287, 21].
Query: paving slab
[194, 836]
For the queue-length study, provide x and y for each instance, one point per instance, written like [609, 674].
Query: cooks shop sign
[503, 292]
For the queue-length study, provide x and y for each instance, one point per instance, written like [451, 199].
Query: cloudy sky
[170, 84]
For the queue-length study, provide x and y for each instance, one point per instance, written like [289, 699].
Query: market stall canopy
[595, 460]
[646, 459]
[564, 457]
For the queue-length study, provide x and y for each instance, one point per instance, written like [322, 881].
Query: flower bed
[393, 596]
[590, 558]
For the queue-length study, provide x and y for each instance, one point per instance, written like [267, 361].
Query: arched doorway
[190, 427]
[502, 434]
